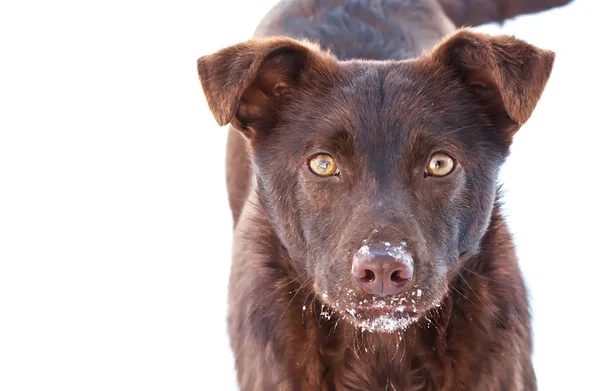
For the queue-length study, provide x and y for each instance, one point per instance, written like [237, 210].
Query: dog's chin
[383, 319]
[391, 314]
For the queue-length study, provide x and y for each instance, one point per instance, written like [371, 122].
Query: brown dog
[370, 253]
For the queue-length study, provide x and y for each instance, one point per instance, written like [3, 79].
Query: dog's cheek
[433, 284]
[436, 215]
[323, 204]
[318, 234]
[334, 286]
[329, 268]
[474, 219]
[278, 191]
[317, 206]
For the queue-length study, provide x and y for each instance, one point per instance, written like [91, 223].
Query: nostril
[369, 276]
[396, 277]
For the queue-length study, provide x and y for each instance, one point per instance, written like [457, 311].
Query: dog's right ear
[247, 84]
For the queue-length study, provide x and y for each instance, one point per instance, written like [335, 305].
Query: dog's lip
[375, 310]
[373, 306]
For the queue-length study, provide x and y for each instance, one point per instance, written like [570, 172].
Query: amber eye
[440, 164]
[323, 165]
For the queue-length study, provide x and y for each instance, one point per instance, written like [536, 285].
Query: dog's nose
[382, 269]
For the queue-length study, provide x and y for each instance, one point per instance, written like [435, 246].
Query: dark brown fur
[290, 291]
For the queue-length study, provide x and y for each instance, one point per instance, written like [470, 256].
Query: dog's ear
[506, 75]
[247, 84]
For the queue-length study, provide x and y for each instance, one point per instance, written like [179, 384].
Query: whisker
[478, 298]
[479, 275]
[346, 341]
[304, 306]
[403, 352]
[294, 280]
[437, 326]
[312, 306]
[397, 348]
[335, 326]
[460, 293]
[288, 305]
[354, 345]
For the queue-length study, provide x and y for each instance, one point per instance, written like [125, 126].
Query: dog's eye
[323, 165]
[440, 164]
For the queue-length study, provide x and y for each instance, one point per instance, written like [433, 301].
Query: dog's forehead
[386, 98]
[381, 82]
[381, 105]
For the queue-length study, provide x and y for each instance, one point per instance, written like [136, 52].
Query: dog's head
[378, 177]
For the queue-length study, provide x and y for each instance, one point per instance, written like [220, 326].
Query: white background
[115, 232]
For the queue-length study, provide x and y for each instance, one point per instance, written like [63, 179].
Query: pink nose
[382, 269]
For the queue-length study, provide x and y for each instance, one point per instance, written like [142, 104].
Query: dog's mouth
[381, 315]
[376, 314]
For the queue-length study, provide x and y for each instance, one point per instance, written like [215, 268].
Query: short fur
[389, 86]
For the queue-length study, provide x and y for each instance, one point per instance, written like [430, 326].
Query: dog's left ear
[506, 75]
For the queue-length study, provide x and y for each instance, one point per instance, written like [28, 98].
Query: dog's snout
[382, 269]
